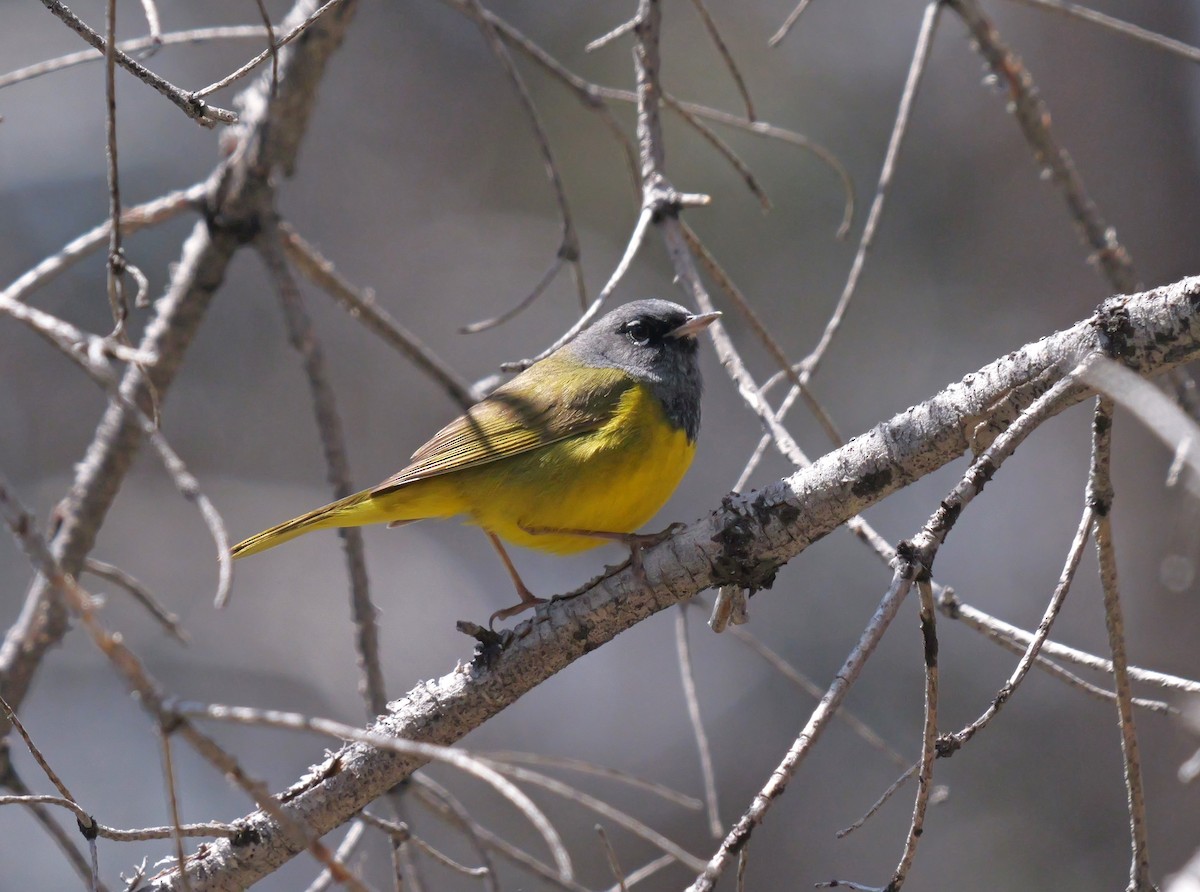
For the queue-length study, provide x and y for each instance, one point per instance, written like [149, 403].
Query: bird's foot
[636, 542]
[528, 602]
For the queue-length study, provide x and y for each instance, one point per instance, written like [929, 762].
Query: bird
[583, 446]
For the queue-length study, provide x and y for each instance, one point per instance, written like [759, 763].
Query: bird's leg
[635, 541]
[528, 599]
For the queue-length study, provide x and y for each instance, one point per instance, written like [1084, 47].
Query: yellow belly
[611, 480]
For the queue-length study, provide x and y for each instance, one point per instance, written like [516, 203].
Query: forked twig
[191, 104]
[489, 772]
[149, 693]
[951, 743]
[269, 53]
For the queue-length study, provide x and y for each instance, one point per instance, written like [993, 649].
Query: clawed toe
[525, 604]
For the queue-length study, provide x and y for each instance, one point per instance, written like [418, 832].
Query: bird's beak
[693, 325]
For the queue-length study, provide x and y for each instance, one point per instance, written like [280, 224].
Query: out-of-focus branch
[193, 107]
[237, 194]
[744, 542]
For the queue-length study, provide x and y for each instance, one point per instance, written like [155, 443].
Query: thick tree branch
[743, 542]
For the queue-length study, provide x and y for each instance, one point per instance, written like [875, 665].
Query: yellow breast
[611, 480]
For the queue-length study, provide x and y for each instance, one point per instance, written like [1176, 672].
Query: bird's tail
[341, 513]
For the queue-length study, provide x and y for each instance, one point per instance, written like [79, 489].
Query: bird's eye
[638, 332]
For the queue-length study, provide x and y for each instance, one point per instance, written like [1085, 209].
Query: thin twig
[117, 301]
[988, 624]
[646, 871]
[881, 801]
[137, 44]
[953, 742]
[343, 852]
[1065, 676]
[763, 129]
[133, 219]
[688, 676]
[111, 573]
[912, 83]
[168, 767]
[1125, 29]
[269, 53]
[1100, 500]
[149, 693]
[191, 104]
[65, 842]
[1034, 118]
[274, 49]
[592, 97]
[524, 303]
[636, 239]
[929, 735]
[153, 24]
[605, 39]
[739, 837]
[50, 773]
[717, 273]
[604, 809]
[613, 864]
[647, 786]
[362, 306]
[568, 249]
[303, 337]
[402, 833]
[142, 834]
[722, 147]
[586, 92]
[788, 671]
[489, 772]
[726, 56]
[447, 806]
[788, 23]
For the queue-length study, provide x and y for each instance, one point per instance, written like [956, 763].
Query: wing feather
[532, 410]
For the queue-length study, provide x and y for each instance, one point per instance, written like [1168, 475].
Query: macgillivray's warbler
[583, 446]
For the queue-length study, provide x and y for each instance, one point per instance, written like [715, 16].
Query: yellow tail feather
[434, 497]
[335, 514]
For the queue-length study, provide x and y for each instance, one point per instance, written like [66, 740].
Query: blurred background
[420, 178]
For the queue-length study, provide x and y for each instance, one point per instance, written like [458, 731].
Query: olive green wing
[547, 403]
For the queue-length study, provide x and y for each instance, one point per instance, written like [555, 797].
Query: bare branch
[269, 135]
[1033, 116]
[772, 526]
[303, 338]
[363, 307]
[739, 837]
[687, 674]
[788, 23]
[269, 53]
[137, 44]
[191, 104]
[1100, 500]
[1118, 26]
[727, 57]
[165, 618]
